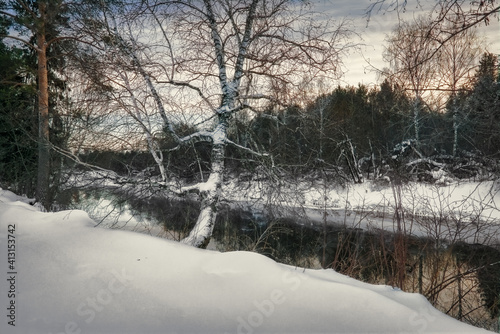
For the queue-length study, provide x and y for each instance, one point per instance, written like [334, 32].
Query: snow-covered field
[62, 275]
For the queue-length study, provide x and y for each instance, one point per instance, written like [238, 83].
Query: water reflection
[238, 226]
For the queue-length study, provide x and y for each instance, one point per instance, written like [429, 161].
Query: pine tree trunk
[43, 177]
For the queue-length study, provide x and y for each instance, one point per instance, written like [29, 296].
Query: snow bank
[462, 211]
[65, 276]
[475, 198]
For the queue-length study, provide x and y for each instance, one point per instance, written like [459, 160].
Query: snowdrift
[65, 276]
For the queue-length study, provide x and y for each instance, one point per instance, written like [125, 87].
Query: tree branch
[218, 47]
[246, 149]
[32, 46]
[188, 85]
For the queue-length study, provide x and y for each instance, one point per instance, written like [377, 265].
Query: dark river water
[293, 237]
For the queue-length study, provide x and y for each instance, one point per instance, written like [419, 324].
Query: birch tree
[408, 52]
[445, 13]
[216, 59]
[457, 62]
[433, 71]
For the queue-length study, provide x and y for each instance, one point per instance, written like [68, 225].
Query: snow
[420, 198]
[372, 205]
[72, 277]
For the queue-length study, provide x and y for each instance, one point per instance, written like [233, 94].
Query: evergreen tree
[38, 25]
[484, 107]
[18, 124]
[392, 108]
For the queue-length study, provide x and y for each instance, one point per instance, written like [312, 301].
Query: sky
[360, 64]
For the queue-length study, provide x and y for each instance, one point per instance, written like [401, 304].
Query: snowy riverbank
[68, 277]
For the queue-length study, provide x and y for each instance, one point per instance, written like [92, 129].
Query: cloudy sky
[372, 36]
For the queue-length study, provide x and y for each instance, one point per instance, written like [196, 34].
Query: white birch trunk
[210, 191]
[416, 121]
[152, 144]
[455, 127]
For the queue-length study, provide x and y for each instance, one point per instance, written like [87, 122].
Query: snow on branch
[192, 189]
[426, 160]
[246, 149]
[226, 110]
[197, 137]
[201, 188]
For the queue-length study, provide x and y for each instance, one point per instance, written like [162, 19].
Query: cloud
[361, 65]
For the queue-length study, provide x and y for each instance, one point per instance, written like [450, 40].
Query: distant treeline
[358, 132]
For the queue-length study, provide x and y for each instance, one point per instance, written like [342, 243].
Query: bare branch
[244, 44]
[30, 45]
[218, 46]
[246, 149]
[190, 86]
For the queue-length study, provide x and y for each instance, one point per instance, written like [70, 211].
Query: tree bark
[43, 177]
[455, 126]
[210, 191]
[416, 115]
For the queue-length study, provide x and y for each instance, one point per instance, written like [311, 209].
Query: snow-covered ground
[458, 211]
[60, 274]
[452, 200]
[474, 198]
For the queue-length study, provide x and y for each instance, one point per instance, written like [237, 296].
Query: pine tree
[18, 126]
[38, 26]
[484, 107]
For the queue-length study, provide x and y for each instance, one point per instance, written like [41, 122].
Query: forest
[170, 104]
